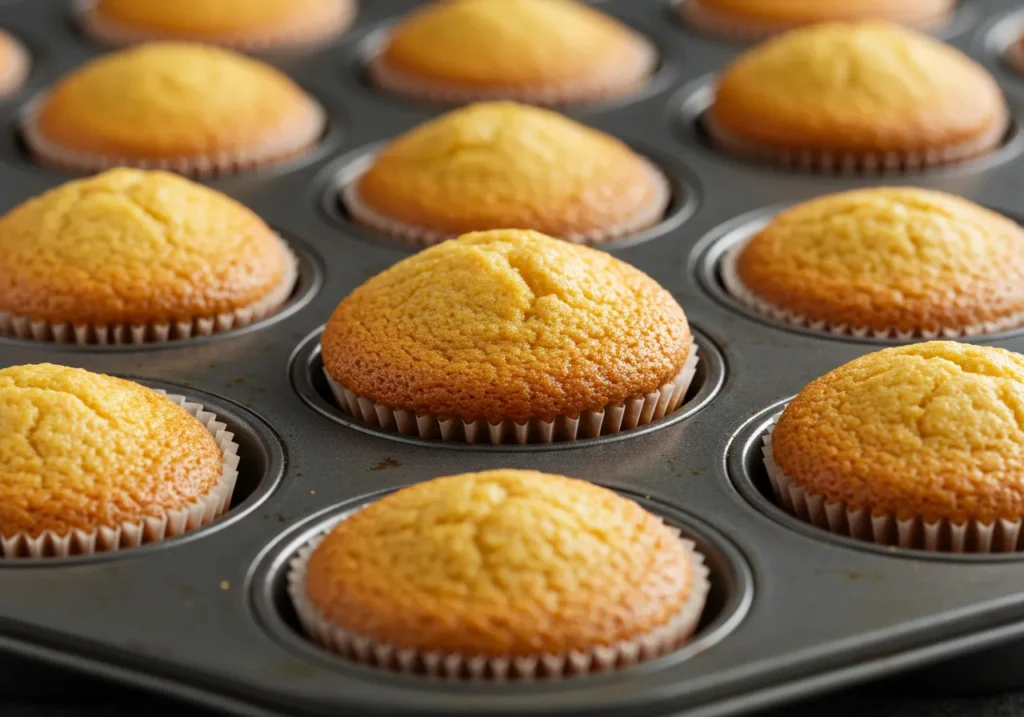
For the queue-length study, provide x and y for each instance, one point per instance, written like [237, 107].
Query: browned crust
[890, 433]
[357, 585]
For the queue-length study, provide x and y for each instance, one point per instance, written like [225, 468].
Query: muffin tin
[793, 609]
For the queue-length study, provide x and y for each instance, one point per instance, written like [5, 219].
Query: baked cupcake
[920, 446]
[129, 256]
[760, 18]
[496, 165]
[509, 336]
[194, 109]
[240, 24]
[536, 51]
[887, 262]
[14, 65]
[498, 575]
[1015, 54]
[864, 96]
[92, 463]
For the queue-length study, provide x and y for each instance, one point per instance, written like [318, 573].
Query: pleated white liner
[200, 512]
[738, 290]
[637, 411]
[123, 334]
[972, 536]
[455, 666]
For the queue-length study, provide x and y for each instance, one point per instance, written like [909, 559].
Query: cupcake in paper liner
[501, 164]
[916, 446]
[509, 336]
[500, 575]
[752, 19]
[263, 25]
[537, 51]
[130, 257]
[912, 102]
[93, 463]
[193, 109]
[888, 262]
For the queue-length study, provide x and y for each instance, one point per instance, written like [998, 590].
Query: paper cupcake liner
[735, 287]
[152, 529]
[274, 151]
[637, 411]
[856, 162]
[113, 33]
[972, 536]
[627, 80]
[646, 217]
[455, 666]
[717, 22]
[21, 327]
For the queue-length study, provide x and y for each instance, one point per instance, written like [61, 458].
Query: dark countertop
[844, 704]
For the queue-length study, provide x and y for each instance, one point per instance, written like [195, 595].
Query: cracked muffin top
[532, 50]
[867, 87]
[506, 324]
[83, 450]
[933, 429]
[501, 563]
[501, 164]
[166, 101]
[256, 24]
[886, 258]
[135, 247]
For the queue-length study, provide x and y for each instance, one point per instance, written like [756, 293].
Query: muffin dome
[888, 261]
[923, 433]
[538, 51]
[14, 64]
[497, 165]
[856, 96]
[457, 566]
[130, 256]
[89, 453]
[509, 326]
[755, 18]
[243, 24]
[192, 108]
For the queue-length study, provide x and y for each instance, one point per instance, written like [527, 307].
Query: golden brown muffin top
[857, 87]
[501, 563]
[169, 100]
[933, 429]
[789, 13]
[129, 246]
[84, 450]
[889, 258]
[506, 324]
[501, 164]
[493, 44]
[231, 22]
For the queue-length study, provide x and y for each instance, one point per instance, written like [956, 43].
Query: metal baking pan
[793, 611]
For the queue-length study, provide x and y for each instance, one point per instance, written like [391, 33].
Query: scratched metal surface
[793, 612]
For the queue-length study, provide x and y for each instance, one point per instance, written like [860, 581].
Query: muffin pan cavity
[260, 467]
[310, 382]
[309, 281]
[731, 596]
[691, 106]
[339, 174]
[745, 459]
[712, 261]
